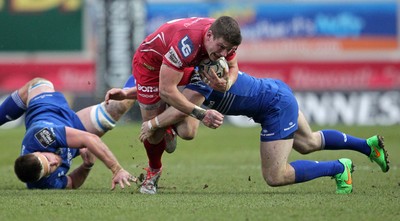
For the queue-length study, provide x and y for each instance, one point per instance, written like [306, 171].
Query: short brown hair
[227, 28]
[28, 168]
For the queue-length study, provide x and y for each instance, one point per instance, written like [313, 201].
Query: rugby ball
[218, 66]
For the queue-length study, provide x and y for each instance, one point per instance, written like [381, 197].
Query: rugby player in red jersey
[158, 66]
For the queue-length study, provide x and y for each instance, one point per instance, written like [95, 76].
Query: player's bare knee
[39, 82]
[273, 182]
[304, 150]
[36, 80]
[273, 179]
[307, 146]
[101, 119]
[186, 134]
[116, 109]
[186, 130]
[35, 87]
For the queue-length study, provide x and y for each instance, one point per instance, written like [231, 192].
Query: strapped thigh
[41, 83]
[101, 119]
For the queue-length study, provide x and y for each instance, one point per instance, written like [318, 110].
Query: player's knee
[308, 146]
[187, 131]
[272, 182]
[273, 179]
[116, 109]
[101, 119]
[187, 134]
[303, 150]
[39, 82]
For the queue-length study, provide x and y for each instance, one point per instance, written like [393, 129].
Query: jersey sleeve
[56, 180]
[49, 139]
[172, 59]
[183, 49]
[44, 139]
[196, 84]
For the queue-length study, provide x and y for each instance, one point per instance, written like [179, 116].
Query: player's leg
[38, 86]
[155, 146]
[188, 126]
[340, 170]
[185, 129]
[279, 125]
[16, 103]
[185, 126]
[13, 107]
[307, 141]
[274, 162]
[372, 147]
[278, 172]
[150, 106]
[100, 118]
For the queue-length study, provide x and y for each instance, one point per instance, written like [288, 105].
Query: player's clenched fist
[213, 119]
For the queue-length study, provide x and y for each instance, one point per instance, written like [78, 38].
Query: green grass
[216, 176]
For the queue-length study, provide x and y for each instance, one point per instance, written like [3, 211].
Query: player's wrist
[198, 113]
[115, 168]
[154, 124]
[228, 84]
[150, 125]
[87, 166]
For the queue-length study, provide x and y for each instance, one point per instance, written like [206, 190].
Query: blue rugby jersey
[246, 96]
[46, 118]
[267, 101]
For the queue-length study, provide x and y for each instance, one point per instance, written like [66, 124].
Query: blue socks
[306, 170]
[336, 140]
[12, 108]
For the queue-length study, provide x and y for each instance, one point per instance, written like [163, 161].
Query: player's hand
[115, 94]
[216, 83]
[213, 119]
[146, 131]
[122, 177]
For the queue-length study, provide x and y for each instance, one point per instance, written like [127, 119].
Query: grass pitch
[216, 176]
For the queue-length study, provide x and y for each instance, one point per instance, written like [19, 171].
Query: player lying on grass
[55, 135]
[271, 103]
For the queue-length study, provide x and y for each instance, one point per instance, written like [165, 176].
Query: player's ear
[209, 34]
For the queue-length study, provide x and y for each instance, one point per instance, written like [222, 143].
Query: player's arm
[169, 79]
[121, 94]
[81, 139]
[171, 116]
[129, 91]
[233, 73]
[77, 177]
[224, 83]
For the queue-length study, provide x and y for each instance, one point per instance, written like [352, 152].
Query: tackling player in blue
[55, 135]
[272, 104]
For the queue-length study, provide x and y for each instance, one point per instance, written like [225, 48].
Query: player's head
[34, 166]
[225, 37]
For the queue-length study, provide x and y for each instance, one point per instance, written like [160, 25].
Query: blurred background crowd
[342, 58]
